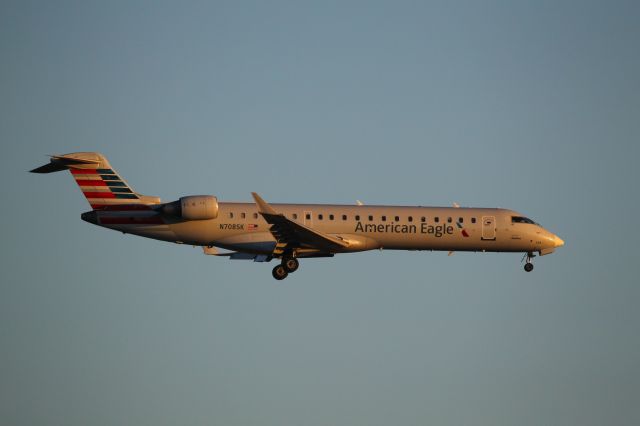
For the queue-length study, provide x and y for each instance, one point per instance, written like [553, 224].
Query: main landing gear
[288, 265]
[529, 266]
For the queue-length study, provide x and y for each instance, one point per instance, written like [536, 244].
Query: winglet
[263, 206]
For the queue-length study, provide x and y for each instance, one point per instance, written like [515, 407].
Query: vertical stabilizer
[98, 181]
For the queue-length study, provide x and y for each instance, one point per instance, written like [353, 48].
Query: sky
[527, 105]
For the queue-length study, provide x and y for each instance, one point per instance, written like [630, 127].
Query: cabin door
[488, 227]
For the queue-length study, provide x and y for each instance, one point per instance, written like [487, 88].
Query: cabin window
[255, 215]
[230, 215]
[344, 217]
[449, 220]
[308, 216]
[295, 215]
[473, 220]
[410, 219]
[461, 219]
[384, 218]
[436, 219]
[370, 218]
[320, 216]
[330, 217]
[423, 219]
[358, 217]
[243, 215]
[397, 218]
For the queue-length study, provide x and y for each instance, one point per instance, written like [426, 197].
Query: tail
[99, 182]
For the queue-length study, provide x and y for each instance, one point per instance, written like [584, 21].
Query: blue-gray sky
[529, 105]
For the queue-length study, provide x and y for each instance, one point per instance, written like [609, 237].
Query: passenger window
[295, 215]
[410, 219]
[436, 219]
[320, 217]
[370, 218]
[449, 219]
[384, 218]
[230, 215]
[344, 217]
[397, 218]
[308, 216]
[473, 220]
[255, 215]
[243, 215]
[461, 219]
[330, 217]
[423, 219]
[358, 217]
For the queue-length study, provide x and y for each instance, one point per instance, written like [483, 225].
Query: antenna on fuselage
[359, 203]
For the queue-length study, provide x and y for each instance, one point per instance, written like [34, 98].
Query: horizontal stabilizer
[59, 163]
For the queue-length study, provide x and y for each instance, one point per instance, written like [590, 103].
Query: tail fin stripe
[92, 189]
[114, 183]
[127, 190]
[106, 194]
[105, 171]
[91, 182]
[84, 171]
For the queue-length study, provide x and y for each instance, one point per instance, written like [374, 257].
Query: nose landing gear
[287, 266]
[528, 266]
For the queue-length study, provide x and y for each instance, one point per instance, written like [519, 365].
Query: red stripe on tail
[83, 171]
[99, 194]
[91, 182]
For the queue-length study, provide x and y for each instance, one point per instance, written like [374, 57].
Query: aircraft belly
[253, 242]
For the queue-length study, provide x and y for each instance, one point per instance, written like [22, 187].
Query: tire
[279, 273]
[291, 265]
[528, 267]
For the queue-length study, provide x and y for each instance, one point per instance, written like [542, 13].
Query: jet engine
[193, 207]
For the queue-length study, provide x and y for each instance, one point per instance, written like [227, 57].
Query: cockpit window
[522, 219]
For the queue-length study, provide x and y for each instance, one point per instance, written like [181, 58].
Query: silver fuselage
[240, 227]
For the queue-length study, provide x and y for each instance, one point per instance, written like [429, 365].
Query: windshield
[522, 219]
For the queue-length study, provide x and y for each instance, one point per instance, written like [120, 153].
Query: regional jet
[261, 231]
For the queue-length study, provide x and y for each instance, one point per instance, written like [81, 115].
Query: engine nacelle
[193, 207]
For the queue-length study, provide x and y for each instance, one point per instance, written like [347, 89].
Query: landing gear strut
[529, 266]
[288, 265]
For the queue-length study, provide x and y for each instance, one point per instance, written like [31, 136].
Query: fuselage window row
[383, 218]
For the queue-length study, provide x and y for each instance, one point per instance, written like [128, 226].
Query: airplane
[261, 231]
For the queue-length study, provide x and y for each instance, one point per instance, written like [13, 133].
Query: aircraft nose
[559, 242]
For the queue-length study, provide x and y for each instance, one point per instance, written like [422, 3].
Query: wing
[291, 235]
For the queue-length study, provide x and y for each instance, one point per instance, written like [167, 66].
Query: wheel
[528, 267]
[279, 273]
[291, 265]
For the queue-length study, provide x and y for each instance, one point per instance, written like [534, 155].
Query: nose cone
[559, 242]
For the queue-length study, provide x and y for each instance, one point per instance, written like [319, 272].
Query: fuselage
[241, 227]
[262, 231]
